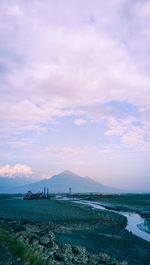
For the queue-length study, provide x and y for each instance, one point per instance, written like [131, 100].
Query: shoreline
[135, 224]
[80, 226]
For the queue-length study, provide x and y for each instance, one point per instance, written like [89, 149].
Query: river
[135, 222]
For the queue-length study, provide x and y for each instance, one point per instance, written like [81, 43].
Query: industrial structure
[37, 196]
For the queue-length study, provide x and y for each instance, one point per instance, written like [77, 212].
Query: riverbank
[79, 226]
[139, 203]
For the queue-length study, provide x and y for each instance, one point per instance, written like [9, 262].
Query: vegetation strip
[19, 249]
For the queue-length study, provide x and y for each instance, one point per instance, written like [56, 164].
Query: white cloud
[16, 170]
[79, 122]
[119, 127]
[137, 138]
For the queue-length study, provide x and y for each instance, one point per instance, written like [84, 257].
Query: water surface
[135, 222]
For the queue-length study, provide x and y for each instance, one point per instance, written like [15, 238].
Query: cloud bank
[16, 170]
[55, 60]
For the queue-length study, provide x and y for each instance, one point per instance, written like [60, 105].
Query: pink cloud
[16, 170]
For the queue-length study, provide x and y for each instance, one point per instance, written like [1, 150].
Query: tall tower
[70, 190]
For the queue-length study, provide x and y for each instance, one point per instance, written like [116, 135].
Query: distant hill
[7, 185]
[62, 182]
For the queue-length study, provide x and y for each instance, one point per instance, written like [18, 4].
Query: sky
[75, 89]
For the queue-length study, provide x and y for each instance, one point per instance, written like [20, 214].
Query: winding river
[135, 222]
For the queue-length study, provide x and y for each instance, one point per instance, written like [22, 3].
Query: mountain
[8, 184]
[62, 182]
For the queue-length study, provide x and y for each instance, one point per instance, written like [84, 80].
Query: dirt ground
[78, 225]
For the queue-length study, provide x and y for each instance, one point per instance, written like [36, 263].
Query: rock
[40, 237]
[45, 240]
[41, 248]
[32, 228]
[18, 259]
[35, 242]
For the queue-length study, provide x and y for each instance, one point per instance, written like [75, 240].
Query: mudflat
[139, 203]
[79, 225]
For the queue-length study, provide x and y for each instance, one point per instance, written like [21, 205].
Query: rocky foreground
[40, 236]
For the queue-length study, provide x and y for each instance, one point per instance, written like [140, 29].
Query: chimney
[47, 191]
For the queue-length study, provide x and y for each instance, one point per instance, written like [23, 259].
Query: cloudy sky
[75, 89]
